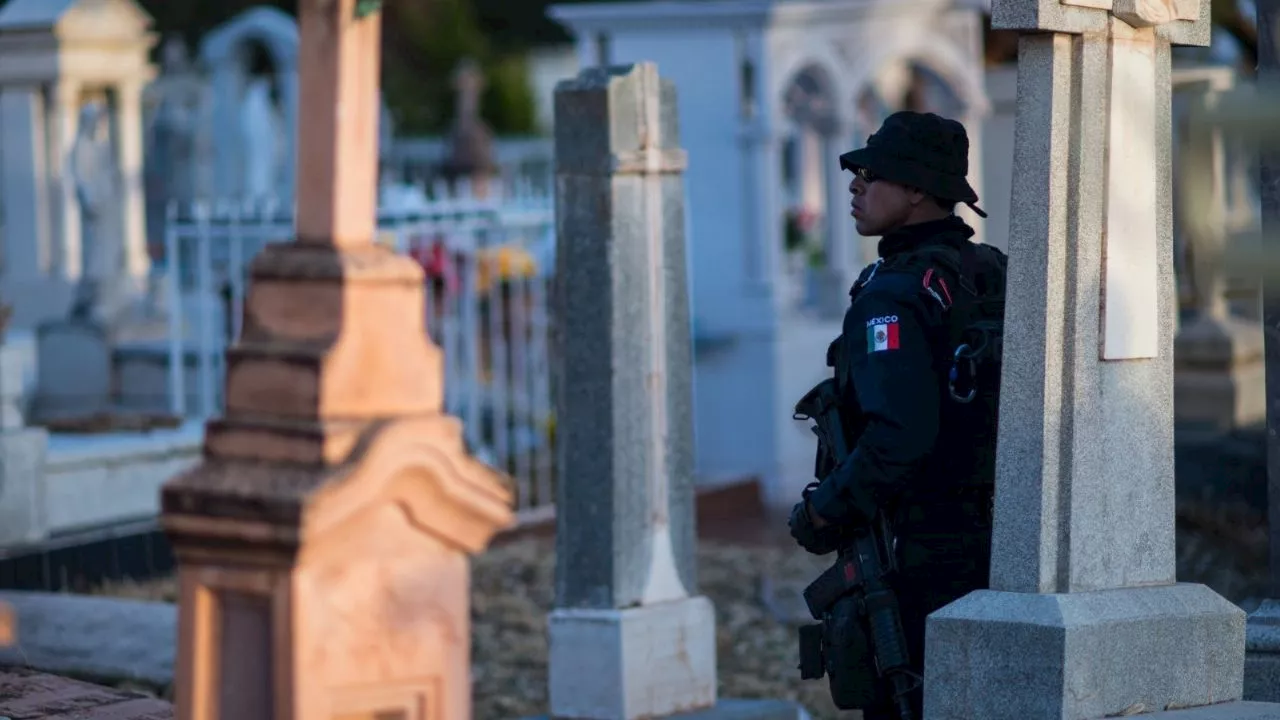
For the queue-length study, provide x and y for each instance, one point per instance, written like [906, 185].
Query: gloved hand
[818, 541]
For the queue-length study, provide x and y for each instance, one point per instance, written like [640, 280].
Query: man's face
[879, 206]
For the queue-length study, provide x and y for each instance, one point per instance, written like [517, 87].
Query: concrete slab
[93, 637]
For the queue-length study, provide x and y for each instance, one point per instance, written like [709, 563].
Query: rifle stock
[857, 584]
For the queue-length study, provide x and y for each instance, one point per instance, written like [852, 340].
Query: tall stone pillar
[322, 544]
[137, 263]
[65, 113]
[630, 637]
[1084, 618]
[24, 190]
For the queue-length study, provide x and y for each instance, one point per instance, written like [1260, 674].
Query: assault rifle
[852, 599]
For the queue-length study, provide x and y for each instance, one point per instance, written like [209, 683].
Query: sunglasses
[866, 175]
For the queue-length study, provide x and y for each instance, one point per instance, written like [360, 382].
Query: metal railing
[488, 265]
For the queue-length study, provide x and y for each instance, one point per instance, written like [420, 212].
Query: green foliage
[508, 104]
[423, 41]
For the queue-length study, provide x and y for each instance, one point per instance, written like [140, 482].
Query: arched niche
[258, 45]
[908, 84]
[811, 138]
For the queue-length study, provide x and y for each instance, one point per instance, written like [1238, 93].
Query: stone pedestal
[634, 651]
[1082, 655]
[1084, 619]
[1219, 377]
[1262, 659]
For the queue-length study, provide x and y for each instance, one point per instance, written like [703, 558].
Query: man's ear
[915, 196]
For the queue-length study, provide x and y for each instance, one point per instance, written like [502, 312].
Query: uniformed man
[912, 457]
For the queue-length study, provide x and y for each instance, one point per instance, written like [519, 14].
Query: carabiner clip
[961, 354]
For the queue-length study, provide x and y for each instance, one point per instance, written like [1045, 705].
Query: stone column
[66, 117]
[1084, 618]
[629, 636]
[24, 182]
[137, 263]
[1262, 662]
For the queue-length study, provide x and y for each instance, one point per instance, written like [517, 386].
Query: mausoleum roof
[46, 14]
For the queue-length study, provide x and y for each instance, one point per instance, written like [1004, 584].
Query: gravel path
[513, 588]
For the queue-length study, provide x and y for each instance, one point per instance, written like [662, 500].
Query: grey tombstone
[1262, 663]
[1085, 618]
[74, 370]
[629, 637]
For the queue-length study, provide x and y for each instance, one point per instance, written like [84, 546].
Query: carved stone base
[333, 339]
[1219, 380]
[641, 662]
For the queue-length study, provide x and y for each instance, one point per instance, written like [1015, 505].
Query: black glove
[818, 541]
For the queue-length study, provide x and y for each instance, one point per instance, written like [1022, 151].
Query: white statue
[96, 175]
[260, 135]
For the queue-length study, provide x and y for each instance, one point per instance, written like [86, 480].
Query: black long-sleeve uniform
[910, 455]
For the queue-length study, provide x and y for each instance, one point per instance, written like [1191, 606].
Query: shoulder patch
[882, 333]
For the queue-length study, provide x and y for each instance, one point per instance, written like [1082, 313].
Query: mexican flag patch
[882, 334]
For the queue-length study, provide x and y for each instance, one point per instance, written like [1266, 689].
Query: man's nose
[856, 186]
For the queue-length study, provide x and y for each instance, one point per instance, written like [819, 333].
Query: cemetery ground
[1222, 542]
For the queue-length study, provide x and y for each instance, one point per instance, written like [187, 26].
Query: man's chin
[864, 228]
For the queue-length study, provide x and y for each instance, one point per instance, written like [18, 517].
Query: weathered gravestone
[629, 637]
[322, 545]
[1084, 618]
[74, 379]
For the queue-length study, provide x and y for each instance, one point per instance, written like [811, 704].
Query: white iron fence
[487, 264]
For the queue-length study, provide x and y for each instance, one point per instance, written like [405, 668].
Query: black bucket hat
[922, 150]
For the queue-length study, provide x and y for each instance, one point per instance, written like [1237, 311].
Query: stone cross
[629, 637]
[322, 543]
[1083, 618]
[471, 153]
